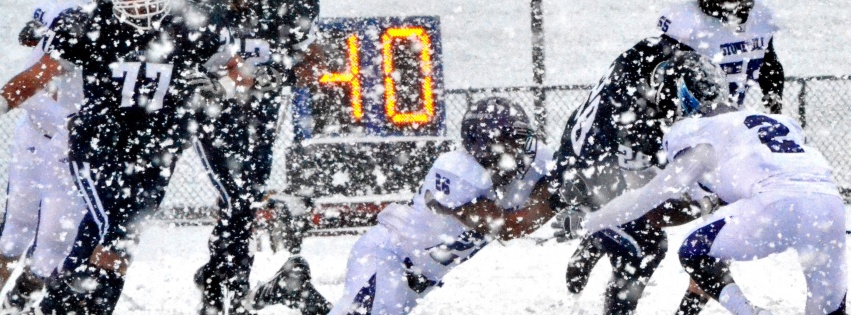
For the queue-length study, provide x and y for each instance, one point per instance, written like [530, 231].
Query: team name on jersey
[729, 49]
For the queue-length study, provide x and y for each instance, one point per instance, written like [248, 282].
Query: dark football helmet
[689, 84]
[728, 10]
[497, 133]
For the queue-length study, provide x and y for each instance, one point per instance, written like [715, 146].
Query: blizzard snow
[486, 44]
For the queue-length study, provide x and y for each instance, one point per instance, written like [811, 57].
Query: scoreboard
[371, 124]
[382, 77]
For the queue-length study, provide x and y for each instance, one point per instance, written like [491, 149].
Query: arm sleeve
[771, 79]
[457, 191]
[66, 37]
[671, 183]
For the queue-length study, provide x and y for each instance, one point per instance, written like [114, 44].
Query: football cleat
[286, 287]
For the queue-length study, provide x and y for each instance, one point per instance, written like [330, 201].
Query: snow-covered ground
[517, 277]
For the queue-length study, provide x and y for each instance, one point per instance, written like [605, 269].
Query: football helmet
[141, 14]
[689, 84]
[497, 133]
[734, 11]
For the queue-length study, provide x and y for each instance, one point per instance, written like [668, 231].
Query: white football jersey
[738, 49]
[754, 152]
[49, 108]
[438, 242]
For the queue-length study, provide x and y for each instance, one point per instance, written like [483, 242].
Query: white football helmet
[141, 14]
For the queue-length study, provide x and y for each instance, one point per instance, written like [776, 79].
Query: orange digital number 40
[352, 77]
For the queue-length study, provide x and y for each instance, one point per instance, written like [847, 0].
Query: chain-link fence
[820, 103]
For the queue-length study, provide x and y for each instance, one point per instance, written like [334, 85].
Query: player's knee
[698, 244]
[834, 304]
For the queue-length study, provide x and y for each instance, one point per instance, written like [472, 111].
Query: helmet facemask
[141, 14]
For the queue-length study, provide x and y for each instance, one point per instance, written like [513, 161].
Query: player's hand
[31, 33]
[773, 102]
[205, 85]
[268, 78]
[708, 204]
[569, 224]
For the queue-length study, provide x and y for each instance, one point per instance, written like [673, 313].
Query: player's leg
[62, 209]
[605, 183]
[116, 199]
[23, 204]
[693, 301]
[744, 230]
[821, 252]
[583, 260]
[227, 271]
[238, 156]
[635, 251]
[377, 279]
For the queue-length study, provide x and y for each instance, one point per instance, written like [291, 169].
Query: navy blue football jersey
[136, 96]
[270, 32]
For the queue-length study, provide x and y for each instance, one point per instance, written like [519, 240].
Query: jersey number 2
[129, 72]
[769, 130]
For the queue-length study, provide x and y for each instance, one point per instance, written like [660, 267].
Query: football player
[43, 208]
[613, 142]
[144, 75]
[492, 189]
[235, 137]
[780, 194]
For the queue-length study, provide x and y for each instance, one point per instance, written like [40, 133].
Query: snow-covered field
[487, 43]
[517, 277]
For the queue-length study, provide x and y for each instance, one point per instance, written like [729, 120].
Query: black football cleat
[290, 287]
[579, 267]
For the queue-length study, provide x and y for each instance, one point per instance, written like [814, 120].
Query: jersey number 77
[129, 72]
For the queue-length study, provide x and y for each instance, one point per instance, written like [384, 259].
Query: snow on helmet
[141, 14]
[690, 84]
[497, 133]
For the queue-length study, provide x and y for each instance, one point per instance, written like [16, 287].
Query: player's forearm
[27, 83]
[531, 217]
[626, 208]
[683, 171]
[483, 217]
[673, 212]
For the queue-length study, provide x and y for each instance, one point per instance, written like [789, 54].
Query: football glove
[203, 84]
[31, 33]
[286, 220]
[569, 224]
[773, 102]
[707, 204]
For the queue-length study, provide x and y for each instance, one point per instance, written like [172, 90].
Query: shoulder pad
[685, 134]
[680, 21]
[461, 164]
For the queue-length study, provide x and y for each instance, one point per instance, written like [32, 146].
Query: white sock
[735, 301]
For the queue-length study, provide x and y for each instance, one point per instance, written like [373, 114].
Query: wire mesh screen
[820, 103]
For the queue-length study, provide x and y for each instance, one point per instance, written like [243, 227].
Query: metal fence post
[538, 66]
[802, 101]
